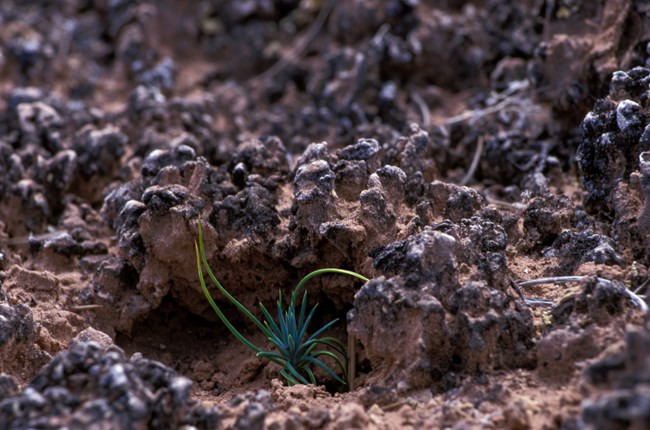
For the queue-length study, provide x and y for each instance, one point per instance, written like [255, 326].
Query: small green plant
[296, 351]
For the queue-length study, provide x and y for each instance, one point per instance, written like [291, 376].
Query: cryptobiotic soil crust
[446, 150]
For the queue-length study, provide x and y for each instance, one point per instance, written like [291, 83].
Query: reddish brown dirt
[446, 150]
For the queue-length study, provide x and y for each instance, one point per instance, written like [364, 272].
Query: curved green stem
[218, 311]
[295, 354]
[323, 271]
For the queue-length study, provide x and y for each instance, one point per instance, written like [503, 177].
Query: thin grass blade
[341, 363]
[328, 270]
[283, 347]
[302, 330]
[273, 356]
[289, 378]
[311, 376]
[295, 373]
[330, 342]
[321, 330]
[216, 308]
[325, 367]
[291, 323]
[269, 321]
[303, 309]
[281, 320]
[292, 347]
[225, 292]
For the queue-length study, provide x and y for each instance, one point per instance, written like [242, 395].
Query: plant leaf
[303, 308]
[303, 328]
[325, 367]
[332, 343]
[269, 321]
[295, 354]
[310, 374]
[225, 292]
[321, 330]
[328, 270]
[217, 310]
[341, 363]
[295, 373]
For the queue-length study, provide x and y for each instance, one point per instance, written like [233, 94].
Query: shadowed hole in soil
[205, 351]
[198, 348]
[325, 313]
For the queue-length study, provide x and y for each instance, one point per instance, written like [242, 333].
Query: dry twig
[564, 279]
[472, 168]
[301, 45]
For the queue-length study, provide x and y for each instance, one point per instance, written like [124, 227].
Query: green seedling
[296, 351]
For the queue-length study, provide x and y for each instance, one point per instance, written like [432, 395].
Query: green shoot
[296, 350]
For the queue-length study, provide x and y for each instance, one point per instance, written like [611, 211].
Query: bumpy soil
[446, 150]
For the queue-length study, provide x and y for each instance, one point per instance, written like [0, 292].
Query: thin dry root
[563, 279]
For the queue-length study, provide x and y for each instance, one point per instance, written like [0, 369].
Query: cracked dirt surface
[445, 150]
